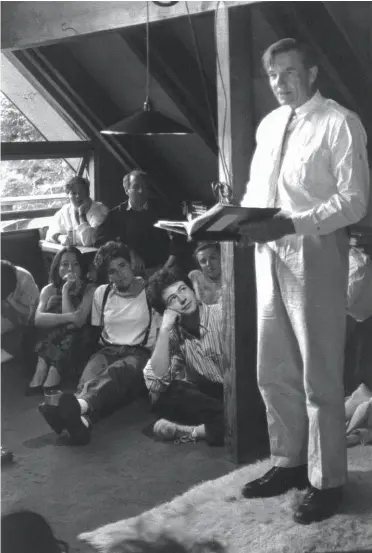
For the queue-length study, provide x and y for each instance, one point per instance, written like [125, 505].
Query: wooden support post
[244, 416]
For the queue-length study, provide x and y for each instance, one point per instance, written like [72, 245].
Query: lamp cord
[147, 52]
[205, 90]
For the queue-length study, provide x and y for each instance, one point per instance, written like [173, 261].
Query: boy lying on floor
[114, 375]
[185, 372]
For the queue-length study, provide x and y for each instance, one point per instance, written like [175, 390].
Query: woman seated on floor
[207, 280]
[63, 311]
[76, 222]
[127, 328]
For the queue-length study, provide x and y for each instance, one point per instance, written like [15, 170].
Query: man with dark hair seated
[127, 332]
[76, 222]
[132, 222]
[19, 298]
[185, 372]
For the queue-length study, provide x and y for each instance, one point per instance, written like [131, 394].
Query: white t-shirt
[126, 319]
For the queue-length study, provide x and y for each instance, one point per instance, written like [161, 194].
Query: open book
[218, 223]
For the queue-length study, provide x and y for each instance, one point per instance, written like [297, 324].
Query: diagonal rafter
[71, 88]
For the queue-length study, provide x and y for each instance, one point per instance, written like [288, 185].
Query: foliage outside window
[29, 184]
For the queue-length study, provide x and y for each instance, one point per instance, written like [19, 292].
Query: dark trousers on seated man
[112, 378]
[191, 404]
[20, 343]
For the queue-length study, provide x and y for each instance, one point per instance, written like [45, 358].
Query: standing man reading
[310, 161]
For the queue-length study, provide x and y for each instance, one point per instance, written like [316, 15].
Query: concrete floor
[121, 473]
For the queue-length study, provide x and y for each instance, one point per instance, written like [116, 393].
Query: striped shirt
[191, 356]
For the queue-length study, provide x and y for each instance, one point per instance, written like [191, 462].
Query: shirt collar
[144, 207]
[203, 323]
[309, 105]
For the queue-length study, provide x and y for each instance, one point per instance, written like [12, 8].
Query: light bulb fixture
[147, 121]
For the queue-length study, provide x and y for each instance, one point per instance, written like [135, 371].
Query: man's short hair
[26, 531]
[160, 281]
[136, 173]
[8, 279]
[286, 45]
[106, 253]
[77, 180]
[206, 244]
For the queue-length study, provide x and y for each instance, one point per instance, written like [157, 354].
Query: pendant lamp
[147, 121]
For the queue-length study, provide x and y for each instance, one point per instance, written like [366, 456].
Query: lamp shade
[147, 121]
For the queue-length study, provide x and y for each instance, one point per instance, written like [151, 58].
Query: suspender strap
[144, 341]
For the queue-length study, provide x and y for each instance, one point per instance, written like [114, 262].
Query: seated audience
[127, 329]
[359, 295]
[132, 222]
[76, 222]
[207, 281]
[19, 298]
[28, 532]
[185, 372]
[63, 311]
[358, 369]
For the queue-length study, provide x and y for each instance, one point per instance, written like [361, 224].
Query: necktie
[283, 147]
[287, 131]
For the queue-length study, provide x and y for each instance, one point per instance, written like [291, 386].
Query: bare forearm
[160, 359]
[67, 306]
[50, 320]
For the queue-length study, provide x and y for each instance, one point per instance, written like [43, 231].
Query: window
[33, 170]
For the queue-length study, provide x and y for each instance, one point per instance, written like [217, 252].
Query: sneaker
[171, 431]
[70, 412]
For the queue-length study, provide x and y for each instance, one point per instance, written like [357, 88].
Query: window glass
[29, 184]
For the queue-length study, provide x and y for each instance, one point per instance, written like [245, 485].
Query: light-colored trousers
[301, 308]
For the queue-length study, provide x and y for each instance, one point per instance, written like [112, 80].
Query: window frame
[11, 151]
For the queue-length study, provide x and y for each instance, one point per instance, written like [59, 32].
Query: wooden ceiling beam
[33, 24]
[180, 78]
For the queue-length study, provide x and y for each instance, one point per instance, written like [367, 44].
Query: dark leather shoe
[52, 417]
[70, 412]
[318, 505]
[276, 481]
[6, 456]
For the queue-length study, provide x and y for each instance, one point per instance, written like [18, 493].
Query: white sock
[84, 407]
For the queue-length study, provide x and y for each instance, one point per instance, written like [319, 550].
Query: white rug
[216, 510]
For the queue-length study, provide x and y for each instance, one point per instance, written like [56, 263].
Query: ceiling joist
[33, 24]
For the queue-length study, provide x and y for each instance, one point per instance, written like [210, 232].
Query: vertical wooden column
[244, 416]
